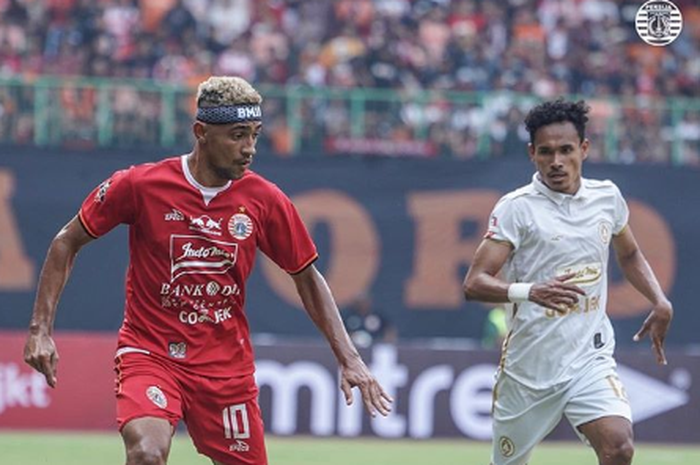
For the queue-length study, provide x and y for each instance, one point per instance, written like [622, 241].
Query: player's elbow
[470, 287]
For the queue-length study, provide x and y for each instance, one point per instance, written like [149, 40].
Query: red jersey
[191, 250]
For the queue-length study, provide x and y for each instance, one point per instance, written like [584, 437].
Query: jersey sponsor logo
[211, 289]
[174, 215]
[157, 397]
[206, 224]
[102, 191]
[177, 350]
[240, 226]
[200, 255]
[588, 273]
[584, 305]
[205, 315]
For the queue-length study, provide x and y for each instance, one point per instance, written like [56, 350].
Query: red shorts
[222, 414]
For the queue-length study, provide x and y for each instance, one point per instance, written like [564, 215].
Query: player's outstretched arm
[40, 351]
[638, 272]
[320, 305]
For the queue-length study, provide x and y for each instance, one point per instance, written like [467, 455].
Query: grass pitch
[106, 449]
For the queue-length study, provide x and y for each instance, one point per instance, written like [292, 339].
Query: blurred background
[395, 126]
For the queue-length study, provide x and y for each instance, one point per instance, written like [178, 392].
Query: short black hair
[558, 111]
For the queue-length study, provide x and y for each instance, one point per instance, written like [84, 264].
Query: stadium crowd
[541, 48]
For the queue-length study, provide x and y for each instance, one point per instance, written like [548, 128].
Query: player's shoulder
[598, 183]
[518, 195]
[601, 186]
[261, 185]
[144, 174]
[171, 165]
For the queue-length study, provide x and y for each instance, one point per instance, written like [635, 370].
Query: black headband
[229, 114]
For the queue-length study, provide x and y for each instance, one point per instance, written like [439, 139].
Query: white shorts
[523, 417]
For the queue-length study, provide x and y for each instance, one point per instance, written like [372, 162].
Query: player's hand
[356, 374]
[41, 354]
[656, 325]
[556, 294]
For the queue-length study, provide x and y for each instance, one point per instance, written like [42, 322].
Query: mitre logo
[200, 255]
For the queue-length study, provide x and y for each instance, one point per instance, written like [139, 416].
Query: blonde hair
[226, 90]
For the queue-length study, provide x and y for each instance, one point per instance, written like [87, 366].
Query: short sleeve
[621, 214]
[285, 239]
[503, 223]
[109, 204]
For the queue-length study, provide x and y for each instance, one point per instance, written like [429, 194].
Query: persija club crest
[240, 226]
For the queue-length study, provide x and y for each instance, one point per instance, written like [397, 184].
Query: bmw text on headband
[229, 114]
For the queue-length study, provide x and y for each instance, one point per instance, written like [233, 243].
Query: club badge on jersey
[240, 226]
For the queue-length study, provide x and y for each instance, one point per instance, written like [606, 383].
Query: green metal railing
[93, 112]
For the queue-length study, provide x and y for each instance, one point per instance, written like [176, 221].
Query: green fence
[89, 113]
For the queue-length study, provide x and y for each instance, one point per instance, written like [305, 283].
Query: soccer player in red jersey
[184, 350]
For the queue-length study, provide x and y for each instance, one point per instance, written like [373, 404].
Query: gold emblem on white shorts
[506, 445]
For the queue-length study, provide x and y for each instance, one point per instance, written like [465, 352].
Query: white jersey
[554, 234]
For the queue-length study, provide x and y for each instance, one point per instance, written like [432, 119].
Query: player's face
[228, 149]
[558, 154]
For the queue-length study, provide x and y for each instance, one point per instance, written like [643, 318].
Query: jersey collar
[208, 193]
[557, 197]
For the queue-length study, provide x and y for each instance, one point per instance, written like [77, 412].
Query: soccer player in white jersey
[549, 240]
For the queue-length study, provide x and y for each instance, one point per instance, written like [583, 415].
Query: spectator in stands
[544, 48]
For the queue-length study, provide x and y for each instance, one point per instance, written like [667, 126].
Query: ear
[584, 148]
[199, 130]
[531, 152]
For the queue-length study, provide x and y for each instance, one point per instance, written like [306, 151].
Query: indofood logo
[658, 22]
[200, 255]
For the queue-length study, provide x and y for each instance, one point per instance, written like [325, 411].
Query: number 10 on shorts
[236, 424]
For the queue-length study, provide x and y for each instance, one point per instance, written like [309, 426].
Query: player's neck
[201, 173]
